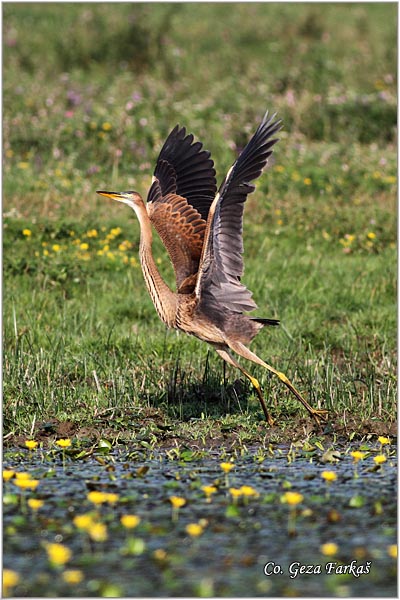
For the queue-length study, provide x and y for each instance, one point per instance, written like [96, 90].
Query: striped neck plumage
[164, 300]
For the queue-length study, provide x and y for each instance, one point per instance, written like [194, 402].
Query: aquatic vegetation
[64, 443]
[380, 459]
[177, 502]
[194, 529]
[31, 444]
[58, 554]
[329, 477]
[10, 580]
[143, 418]
[357, 456]
[99, 527]
[329, 549]
[130, 521]
[35, 504]
[72, 576]
[209, 490]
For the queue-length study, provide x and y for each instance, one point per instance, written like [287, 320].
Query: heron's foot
[270, 420]
[318, 414]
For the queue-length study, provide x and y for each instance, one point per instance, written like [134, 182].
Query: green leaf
[357, 502]
[232, 511]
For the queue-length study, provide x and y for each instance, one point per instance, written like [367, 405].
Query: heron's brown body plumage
[201, 229]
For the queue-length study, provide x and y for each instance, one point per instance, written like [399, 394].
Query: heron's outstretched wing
[181, 230]
[178, 202]
[185, 169]
[221, 265]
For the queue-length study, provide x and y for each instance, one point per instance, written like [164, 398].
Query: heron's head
[132, 199]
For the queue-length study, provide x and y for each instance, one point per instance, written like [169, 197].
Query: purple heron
[201, 229]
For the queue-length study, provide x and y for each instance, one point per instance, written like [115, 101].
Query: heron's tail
[273, 322]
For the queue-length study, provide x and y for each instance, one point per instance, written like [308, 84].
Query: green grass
[90, 110]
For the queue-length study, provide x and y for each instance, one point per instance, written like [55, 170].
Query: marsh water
[249, 546]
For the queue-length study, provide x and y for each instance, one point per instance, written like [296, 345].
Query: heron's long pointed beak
[114, 195]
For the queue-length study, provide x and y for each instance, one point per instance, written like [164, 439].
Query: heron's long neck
[163, 297]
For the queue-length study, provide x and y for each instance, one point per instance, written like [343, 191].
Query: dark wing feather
[185, 169]
[221, 265]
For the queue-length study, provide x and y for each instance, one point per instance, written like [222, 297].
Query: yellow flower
[279, 168]
[64, 443]
[209, 490]
[390, 179]
[35, 503]
[106, 126]
[381, 458]
[329, 476]
[92, 233]
[130, 521]
[58, 554]
[72, 576]
[371, 235]
[247, 490]
[102, 497]
[10, 579]
[392, 550]
[307, 181]
[160, 554]
[115, 231]
[83, 521]
[329, 549]
[26, 483]
[112, 498]
[292, 498]
[194, 529]
[383, 440]
[235, 492]
[31, 444]
[56, 247]
[124, 246]
[22, 475]
[226, 467]
[23, 165]
[177, 501]
[27, 232]
[357, 455]
[84, 246]
[97, 497]
[8, 474]
[98, 532]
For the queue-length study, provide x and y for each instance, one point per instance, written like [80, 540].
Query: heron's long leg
[230, 360]
[242, 350]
